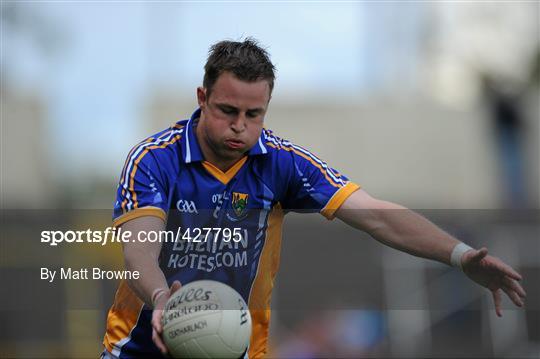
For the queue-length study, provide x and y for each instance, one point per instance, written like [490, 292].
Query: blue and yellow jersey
[166, 176]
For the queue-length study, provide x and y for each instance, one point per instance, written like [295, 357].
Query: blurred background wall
[434, 105]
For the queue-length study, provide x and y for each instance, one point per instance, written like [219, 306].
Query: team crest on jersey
[239, 203]
[239, 206]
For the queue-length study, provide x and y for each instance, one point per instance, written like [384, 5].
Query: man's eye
[227, 111]
[252, 114]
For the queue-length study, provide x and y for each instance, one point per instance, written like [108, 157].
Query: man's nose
[238, 124]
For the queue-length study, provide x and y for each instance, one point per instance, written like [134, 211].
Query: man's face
[232, 116]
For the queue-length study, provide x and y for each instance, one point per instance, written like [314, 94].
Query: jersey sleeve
[142, 188]
[314, 186]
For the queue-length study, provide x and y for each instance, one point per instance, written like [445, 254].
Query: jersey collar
[190, 145]
[192, 151]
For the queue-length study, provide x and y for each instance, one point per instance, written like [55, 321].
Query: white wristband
[457, 253]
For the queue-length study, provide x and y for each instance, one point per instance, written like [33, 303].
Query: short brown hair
[246, 60]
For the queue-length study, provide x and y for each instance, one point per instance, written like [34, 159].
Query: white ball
[206, 319]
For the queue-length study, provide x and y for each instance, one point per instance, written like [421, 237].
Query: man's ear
[201, 97]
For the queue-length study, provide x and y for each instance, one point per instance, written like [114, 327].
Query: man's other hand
[495, 275]
[157, 328]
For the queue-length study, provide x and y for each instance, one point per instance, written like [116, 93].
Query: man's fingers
[159, 343]
[156, 321]
[157, 329]
[515, 286]
[513, 296]
[506, 269]
[497, 300]
[175, 286]
[480, 254]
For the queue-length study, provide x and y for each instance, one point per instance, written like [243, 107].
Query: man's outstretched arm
[151, 287]
[407, 231]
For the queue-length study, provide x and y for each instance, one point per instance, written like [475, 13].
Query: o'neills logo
[172, 314]
[190, 295]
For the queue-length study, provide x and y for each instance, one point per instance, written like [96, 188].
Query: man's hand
[494, 274]
[157, 328]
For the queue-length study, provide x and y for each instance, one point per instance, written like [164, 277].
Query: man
[222, 169]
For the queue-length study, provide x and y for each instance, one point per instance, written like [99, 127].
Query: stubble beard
[221, 152]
